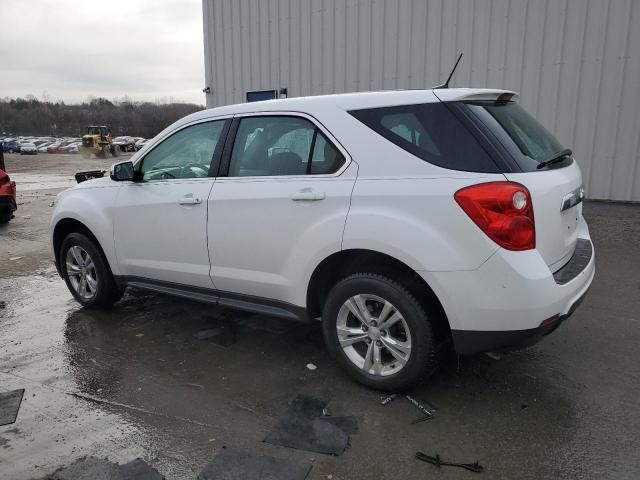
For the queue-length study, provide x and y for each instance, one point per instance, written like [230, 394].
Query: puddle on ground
[136, 381]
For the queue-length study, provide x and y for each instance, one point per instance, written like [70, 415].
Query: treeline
[31, 116]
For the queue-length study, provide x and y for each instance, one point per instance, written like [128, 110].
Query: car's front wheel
[380, 334]
[87, 273]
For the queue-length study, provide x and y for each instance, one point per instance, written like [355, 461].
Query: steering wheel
[186, 172]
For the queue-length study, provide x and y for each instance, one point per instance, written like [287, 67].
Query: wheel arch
[341, 264]
[70, 225]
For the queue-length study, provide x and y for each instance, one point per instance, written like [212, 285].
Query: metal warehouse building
[575, 63]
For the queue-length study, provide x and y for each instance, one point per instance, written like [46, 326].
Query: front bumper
[513, 299]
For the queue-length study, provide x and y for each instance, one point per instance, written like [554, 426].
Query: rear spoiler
[475, 95]
[89, 174]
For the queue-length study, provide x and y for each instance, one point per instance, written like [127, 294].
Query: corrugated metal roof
[572, 61]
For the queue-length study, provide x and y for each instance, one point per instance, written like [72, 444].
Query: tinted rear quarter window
[430, 132]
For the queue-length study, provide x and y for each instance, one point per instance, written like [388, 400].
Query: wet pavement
[141, 380]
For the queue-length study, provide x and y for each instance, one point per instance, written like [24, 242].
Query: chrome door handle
[308, 196]
[190, 200]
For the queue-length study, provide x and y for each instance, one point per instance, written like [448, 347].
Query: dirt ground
[136, 380]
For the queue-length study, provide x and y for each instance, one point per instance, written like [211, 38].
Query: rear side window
[430, 132]
[281, 145]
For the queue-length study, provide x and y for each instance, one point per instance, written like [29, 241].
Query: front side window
[281, 145]
[430, 132]
[185, 154]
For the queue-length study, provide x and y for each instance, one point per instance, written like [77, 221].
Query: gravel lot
[136, 381]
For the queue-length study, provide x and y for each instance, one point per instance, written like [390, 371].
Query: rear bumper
[467, 342]
[7, 205]
[513, 299]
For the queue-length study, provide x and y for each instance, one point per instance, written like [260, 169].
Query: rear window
[526, 139]
[430, 132]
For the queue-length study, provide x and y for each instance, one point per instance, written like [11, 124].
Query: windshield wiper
[556, 158]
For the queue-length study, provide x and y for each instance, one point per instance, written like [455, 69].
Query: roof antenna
[446, 84]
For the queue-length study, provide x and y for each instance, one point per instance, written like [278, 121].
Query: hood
[96, 183]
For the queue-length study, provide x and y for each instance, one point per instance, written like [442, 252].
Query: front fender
[92, 207]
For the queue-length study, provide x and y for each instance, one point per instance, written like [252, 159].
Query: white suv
[402, 220]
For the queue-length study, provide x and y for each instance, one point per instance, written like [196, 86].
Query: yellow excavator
[97, 141]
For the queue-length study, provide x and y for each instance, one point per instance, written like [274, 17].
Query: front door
[280, 208]
[160, 222]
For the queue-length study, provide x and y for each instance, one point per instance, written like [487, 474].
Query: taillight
[503, 211]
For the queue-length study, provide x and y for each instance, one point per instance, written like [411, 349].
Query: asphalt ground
[138, 380]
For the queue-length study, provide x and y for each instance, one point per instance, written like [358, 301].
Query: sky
[71, 50]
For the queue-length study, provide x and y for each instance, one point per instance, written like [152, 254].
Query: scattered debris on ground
[223, 336]
[237, 465]
[92, 468]
[311, 366]
[9, 406]
[305, 428]
[472, 467]
[428, 413]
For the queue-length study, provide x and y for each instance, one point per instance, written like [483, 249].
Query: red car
[7, 197]
[54, 148]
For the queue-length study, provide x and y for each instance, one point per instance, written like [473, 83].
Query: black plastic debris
[305, 428]
[348, 425]
[223, 336]
[91, 468]
[472, 467]
[236, 465]
[88, 175]
[9, 406]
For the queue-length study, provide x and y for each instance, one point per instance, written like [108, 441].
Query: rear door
[556, 190]
[279, 205]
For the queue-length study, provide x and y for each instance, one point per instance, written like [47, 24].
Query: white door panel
[161, 230]
[266, 233]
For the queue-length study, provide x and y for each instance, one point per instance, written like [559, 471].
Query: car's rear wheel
[380, 334]
[87, 273]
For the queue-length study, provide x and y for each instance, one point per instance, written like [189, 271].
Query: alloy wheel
[373, 334]
[82, 272]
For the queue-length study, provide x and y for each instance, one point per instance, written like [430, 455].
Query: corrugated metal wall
[575, 63]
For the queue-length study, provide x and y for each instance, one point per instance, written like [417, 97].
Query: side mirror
[122, 171]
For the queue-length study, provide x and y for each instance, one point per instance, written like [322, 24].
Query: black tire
[4, 218]
[107, 291]
[422, 360]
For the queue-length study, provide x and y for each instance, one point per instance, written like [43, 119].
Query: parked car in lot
[401, 220]
[54, 147]
[8, 203]
[44, 146]
[10, 146]
[125, 143]
[141, 142]
[28, 149]
[70, 148]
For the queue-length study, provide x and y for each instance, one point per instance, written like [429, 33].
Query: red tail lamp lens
[503, 211]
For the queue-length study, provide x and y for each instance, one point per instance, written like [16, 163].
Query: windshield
[528, 141]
